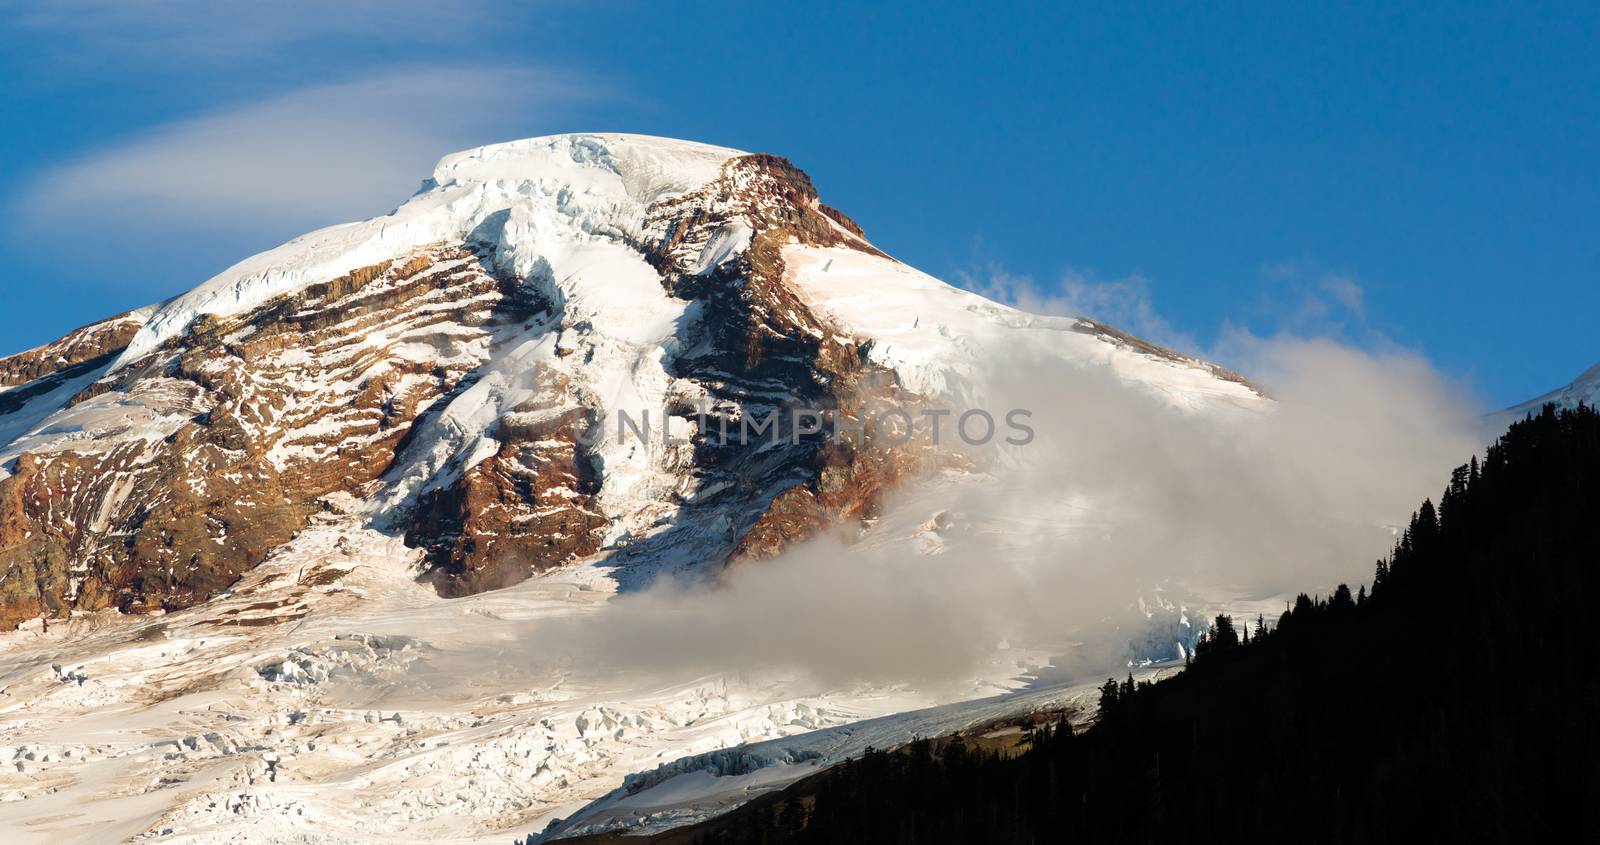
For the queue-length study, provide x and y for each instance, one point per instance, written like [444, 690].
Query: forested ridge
[1452, 701]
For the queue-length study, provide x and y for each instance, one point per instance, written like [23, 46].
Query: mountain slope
[446, 365]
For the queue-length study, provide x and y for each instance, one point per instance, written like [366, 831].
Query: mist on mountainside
[1120, 496]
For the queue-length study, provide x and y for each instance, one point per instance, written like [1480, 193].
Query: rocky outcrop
[79, 351]
[1118, 337]
[29, 375]
[527, 508]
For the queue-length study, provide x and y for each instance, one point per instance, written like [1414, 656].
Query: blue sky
[1422, 179]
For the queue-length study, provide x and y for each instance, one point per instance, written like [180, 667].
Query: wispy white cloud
[1312, 302]
[1292, 301]
[229, 29]
[314, 156]
[1345, 291]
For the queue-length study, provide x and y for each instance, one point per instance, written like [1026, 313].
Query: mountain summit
[431, 373]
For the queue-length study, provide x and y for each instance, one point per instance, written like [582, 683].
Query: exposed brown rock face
[92, 343]
[264, 414]
[47, 368]
[528, 507]
[768, 351]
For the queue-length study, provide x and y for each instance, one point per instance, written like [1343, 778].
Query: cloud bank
[1120, 497]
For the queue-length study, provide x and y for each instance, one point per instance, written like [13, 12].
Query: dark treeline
[1453, 701]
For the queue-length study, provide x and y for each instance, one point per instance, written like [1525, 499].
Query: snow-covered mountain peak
[650, 168]
[521, 195]
[436, 364]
